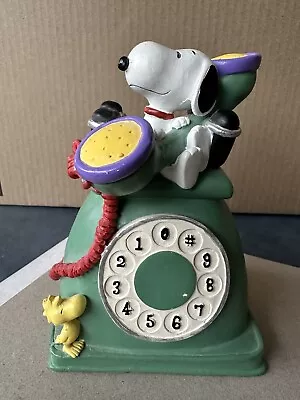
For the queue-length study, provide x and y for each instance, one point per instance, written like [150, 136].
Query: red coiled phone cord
[106, 228]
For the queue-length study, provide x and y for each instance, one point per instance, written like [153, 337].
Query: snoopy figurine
[175, 80]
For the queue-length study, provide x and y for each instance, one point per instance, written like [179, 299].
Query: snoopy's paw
[195, 137]
[186, 169]
[180, 122]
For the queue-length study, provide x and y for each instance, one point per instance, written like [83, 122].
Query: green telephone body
[230, 345]
[183, 300]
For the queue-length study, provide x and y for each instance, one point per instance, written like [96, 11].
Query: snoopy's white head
[172, 80]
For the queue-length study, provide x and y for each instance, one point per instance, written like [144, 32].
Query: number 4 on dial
[127, 310]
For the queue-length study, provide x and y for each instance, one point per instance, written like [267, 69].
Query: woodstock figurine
[66, 312]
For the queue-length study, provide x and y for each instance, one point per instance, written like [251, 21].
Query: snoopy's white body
[171, 81]
[162, 127]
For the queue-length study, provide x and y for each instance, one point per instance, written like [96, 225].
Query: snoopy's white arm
[199, 138]
[177, 123]
[193, 160]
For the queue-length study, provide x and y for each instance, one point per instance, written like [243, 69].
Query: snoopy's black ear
[208, 91]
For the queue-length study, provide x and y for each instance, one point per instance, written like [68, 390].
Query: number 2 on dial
[121, 262]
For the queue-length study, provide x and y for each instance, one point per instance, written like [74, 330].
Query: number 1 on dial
[139, 243]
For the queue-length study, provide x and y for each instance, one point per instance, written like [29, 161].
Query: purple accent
[119, 169]
[249, 63]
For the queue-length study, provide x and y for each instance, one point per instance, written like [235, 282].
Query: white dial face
[129, 251]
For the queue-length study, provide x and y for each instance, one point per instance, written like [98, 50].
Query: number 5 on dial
[150, 321]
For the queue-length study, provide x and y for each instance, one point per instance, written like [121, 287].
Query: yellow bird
[60, 311]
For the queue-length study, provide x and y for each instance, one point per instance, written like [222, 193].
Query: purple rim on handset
[120, 169]
[248, 62]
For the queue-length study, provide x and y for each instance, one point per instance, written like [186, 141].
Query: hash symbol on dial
[190, 240]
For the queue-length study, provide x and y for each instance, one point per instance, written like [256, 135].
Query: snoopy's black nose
[123, 63]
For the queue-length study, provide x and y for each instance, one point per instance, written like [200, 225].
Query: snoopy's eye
[178, 54]
[61, 311]
[193, 52]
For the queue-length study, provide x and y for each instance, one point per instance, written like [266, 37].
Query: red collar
[157, 113]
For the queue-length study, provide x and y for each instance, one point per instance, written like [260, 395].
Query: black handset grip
[225, 126]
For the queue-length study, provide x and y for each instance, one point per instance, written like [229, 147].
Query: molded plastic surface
[231, 345]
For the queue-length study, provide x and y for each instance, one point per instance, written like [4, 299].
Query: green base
[242, 356]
